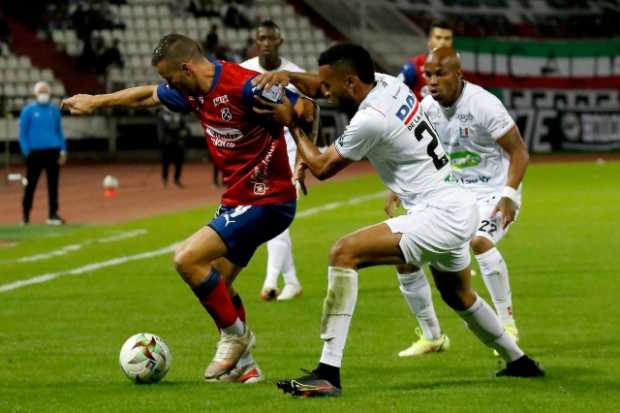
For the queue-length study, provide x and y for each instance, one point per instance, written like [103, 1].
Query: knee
[183, 261]
[480, 245]
[457, 299]
[342, 254]
[407, 269]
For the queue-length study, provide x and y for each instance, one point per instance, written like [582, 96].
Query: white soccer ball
[145, 358]
[110, 182]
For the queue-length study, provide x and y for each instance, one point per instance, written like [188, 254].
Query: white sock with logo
[417, 292]
[338, 307]
[484, 323]
[495, 276]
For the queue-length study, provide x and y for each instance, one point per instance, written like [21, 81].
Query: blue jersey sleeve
[250, 91]
[408, 74]
[172, 99]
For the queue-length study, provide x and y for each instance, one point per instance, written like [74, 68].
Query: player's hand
[299, 177]
[79, 104]
[281, 113]
[62, 159]
[392, 202]
[507, 209]
[269, 79]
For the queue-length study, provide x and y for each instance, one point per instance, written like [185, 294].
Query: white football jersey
[391, 130]
[285, 64]
[468, 131]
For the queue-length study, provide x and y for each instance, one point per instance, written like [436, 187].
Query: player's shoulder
[251, 64]
[477, 92]
[290, 66]
[428, 102]
[475, 95]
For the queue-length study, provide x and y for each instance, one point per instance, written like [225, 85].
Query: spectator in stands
[42, 143]
[212, 42]
[235, 19]
[5, 36]
[172, 132]
[5, 31]
[110, 56]
[204, 8]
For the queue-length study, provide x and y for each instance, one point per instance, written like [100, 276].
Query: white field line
[165, 250]
[76, 247]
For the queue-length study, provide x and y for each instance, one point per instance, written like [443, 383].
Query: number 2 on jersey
[423, 130]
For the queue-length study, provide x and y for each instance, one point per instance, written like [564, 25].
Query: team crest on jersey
[226, 114]
[260, 188]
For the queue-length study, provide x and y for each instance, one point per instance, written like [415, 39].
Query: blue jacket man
[42, 143]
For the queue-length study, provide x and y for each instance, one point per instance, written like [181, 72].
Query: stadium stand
[137, 25]
[534, 18]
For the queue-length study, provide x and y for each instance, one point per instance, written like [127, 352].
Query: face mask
[43, 98]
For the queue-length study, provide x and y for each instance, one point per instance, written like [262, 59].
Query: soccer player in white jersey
[279, 249]
[488, 157]
[388, 127]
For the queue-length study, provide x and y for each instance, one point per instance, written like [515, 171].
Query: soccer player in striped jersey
[259, 202]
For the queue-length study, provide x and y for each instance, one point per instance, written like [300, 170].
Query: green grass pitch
[59, 340]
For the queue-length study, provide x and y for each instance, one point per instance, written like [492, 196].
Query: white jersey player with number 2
[392, 132]
[389, 129]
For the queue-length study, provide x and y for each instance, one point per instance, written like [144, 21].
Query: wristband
[511, 193]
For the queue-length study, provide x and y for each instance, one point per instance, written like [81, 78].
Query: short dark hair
[269, 24]
[176, 47]
[354, 56]
[440, 24]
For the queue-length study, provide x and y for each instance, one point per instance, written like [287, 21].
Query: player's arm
[133, 97]
[307, 83]
[321, 164]
[512, 143]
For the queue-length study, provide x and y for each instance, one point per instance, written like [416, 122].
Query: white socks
[280, 260]
[237, 328]
[483, 322]
[338, 309]
[495, 277]
[417, 292]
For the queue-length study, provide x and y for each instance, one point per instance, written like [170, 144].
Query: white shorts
[491, 228]
[437, 235]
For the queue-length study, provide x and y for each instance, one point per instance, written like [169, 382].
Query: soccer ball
[145, 358]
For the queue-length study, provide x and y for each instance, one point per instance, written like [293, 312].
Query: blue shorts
[243, 228]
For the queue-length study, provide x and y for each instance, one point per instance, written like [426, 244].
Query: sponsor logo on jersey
[224, 137]
[226, 114]
[464, 159]
[406, 112]
[220, 100]
[465, 117]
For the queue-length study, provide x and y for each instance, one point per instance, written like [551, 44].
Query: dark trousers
[175, 154]
[37, 161]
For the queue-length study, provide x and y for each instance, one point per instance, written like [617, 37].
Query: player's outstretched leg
[456, 291]
[373, 245]
[193, 260]
[495, 276]
[417, 293]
